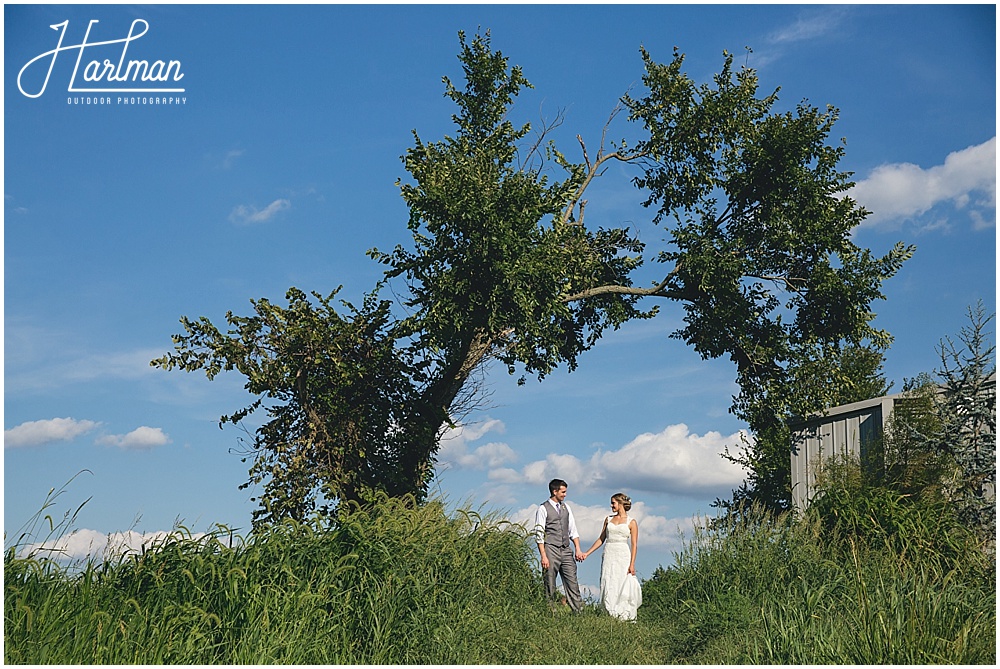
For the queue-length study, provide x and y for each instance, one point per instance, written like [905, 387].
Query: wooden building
[850, 430]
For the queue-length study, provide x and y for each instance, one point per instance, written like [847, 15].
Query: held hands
[580, 557]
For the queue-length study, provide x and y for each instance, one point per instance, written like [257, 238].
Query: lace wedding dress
[619, 591]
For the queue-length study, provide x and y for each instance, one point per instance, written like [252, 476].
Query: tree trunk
[437, 407]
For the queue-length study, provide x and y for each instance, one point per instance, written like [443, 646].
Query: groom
[555, 529]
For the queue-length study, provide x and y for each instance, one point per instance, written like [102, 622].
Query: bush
[894, 516]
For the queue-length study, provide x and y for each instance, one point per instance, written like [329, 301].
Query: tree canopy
[502, 265]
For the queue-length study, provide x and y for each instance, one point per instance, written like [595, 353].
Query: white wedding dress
[619, 591]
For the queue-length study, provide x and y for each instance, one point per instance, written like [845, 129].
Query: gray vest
[556, 525]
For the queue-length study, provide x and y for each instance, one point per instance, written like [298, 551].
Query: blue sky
[277, 168]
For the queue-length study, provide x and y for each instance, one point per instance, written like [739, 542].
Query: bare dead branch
[583, 148]
[546, 128]
[596, 168]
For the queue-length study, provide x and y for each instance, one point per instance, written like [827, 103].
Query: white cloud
[138, 439]
[231, 158]
[900, 191]
[37, 432]
[122, 365]
[30, 369]
[466, 433]
[455, 451]
[812, 25]
[809, 26]
[244, 214]
[499, 496]
[672, 461]
[980, 221]
[84, 543]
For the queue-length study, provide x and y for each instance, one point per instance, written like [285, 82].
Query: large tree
[503, 266]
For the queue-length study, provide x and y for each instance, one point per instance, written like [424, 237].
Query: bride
[619, 587]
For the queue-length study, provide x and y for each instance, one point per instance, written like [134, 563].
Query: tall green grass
[384, 585]
[400, 583]
[396, 583]
[873, 589]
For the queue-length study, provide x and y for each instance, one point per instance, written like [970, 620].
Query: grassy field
[405, 584]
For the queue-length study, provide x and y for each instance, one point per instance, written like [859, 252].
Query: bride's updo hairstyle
[624, 500]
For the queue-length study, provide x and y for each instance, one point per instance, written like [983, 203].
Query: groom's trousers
[562, 561]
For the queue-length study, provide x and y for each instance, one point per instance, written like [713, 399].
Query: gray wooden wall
[846, 430]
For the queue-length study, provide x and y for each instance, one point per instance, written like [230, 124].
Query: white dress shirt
[543, 513]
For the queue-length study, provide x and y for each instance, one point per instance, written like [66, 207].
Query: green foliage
[890, 564]
[968, 432]
[358, 402]
[764, 262]
[763, 257]
[493, 258]
[940, 443]
[503, 267]
[898, 515]
[311, 369]
[909, 464]
[391, 583]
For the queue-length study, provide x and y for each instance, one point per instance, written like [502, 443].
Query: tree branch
[547, 127]
[787, 280]
[614, 289]
[594, 169]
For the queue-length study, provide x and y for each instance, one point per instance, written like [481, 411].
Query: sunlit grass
[777, 591]
[401, 583]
